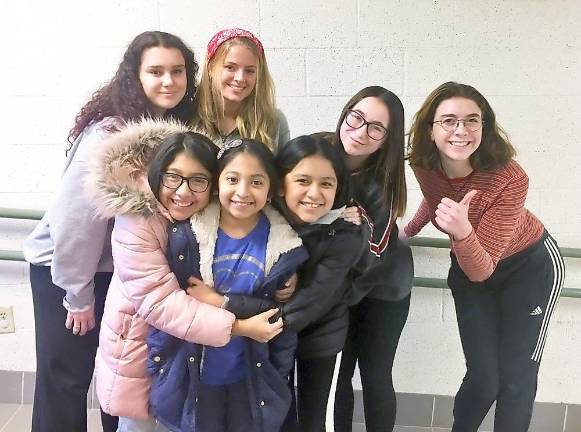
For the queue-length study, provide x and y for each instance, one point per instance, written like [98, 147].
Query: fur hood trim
[117, 173]
[281, 238]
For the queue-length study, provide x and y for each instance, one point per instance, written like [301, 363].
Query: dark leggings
[314, 378]
[64, 362]
[503, 328]
[374, 331]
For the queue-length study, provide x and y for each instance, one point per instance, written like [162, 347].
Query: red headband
[224, 35]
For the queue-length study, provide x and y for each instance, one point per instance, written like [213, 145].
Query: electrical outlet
[6, 319]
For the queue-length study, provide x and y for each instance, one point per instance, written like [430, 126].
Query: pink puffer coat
[143, 291]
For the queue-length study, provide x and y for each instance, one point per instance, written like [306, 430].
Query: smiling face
[310, 188]
[244, 188]
[182, 203]
[237, 74]
[162, 74]
[455, 147]
[358, 145]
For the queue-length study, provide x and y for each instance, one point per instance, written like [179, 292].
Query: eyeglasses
[450, 124]
[195, 183]
[374, 131]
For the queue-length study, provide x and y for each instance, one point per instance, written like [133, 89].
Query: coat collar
[281, 238]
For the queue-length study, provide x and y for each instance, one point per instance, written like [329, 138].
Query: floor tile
[412, 429]
[414, 409]
[6, 413]
[11, 387]
[94, 421]
[573, 418]
[21, 421]
[28, 382]
[548, 417]
[443, 407]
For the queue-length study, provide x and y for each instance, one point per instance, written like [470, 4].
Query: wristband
[225, 302]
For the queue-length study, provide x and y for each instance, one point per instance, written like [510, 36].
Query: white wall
[525, 56]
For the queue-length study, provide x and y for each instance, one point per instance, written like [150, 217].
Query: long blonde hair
[256, 118]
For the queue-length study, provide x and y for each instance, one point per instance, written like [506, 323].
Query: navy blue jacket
[175, 364]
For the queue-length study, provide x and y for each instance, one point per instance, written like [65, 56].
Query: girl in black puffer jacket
[315, 192]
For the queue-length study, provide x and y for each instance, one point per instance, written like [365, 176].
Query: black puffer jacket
[317, 310]
[386, 271]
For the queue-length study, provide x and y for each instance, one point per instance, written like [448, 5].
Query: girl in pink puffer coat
[143, 291]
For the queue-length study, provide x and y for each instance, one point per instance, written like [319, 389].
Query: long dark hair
[290, 154]
[495, 149]
[386, 164]
[123, 96]
[194, 144]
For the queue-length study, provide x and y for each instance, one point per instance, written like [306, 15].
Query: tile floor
[17, 418]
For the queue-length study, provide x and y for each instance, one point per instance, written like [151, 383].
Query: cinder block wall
[525, 56]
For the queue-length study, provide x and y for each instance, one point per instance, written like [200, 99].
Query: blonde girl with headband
[236, 98]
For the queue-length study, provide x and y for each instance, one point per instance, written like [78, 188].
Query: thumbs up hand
[452, 216]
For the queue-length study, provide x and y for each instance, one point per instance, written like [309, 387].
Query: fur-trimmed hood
[117, 173]
[281, 238]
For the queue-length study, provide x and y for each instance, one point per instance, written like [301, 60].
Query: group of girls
[237, 253]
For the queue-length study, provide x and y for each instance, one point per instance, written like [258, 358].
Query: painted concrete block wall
[525, 56]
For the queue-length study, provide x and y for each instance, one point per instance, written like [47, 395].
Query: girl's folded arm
[153, 289]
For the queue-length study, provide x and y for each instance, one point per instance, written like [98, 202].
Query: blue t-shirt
[238, 268]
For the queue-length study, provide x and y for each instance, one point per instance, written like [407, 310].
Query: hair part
[386, 165]
[495, 149]
[304, 146]
[196, 145]
[257, 117]
[123, 97]
[261, 152]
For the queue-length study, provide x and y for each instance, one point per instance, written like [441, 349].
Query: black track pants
[503, 328]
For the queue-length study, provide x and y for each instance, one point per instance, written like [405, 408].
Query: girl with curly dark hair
[506, 272]
[70, 250]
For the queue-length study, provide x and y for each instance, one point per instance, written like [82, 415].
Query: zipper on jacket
[202, 358]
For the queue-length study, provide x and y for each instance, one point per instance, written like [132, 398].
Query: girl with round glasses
[70, 250]
[506, 272]
[172, 170]
[370, 137]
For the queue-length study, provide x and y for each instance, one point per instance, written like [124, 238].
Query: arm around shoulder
[153, 290]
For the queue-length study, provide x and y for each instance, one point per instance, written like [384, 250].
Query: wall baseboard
[414, 409]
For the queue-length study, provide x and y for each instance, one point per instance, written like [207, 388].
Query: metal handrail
[433, 242]
[12, 213]
[442, 243]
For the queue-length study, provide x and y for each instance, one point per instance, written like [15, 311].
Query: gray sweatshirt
[70, 238]
[282, 133]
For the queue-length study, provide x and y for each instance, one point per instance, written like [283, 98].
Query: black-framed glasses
[195, 183]
[450, 124]
[374, 131]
